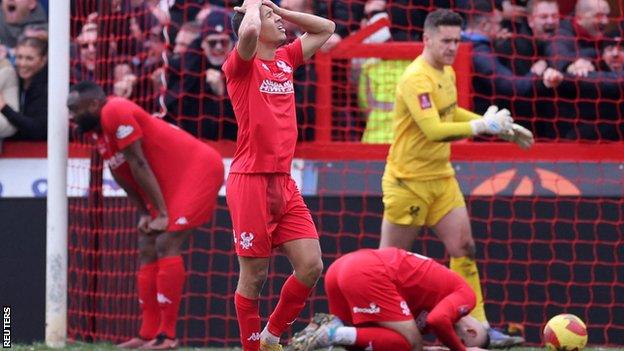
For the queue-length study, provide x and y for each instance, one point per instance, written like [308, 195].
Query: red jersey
[263, 97]
[188, 171]
[398, 285]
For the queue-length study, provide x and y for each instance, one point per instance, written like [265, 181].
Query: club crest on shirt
[283, 66]
[123, 131]
[425, 101]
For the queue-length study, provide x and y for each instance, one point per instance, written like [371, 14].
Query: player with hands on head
[267, 209]
[171, 178]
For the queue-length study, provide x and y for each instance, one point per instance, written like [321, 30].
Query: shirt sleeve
[447, 312]
[416, 92]
[235, 67]
[463, 115]
[294, 51]
[119, 124]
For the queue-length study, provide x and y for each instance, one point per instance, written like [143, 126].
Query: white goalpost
[56, 226]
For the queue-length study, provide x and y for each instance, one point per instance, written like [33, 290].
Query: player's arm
[145, 178]
[137, 201]
[463, 115]
[317, 29]
[442, 317]
[249, 30]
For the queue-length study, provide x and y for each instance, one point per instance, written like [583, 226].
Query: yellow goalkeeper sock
[467, 268]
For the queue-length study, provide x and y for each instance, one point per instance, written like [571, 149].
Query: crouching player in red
[172, 178]
[267, 209]
[384, 299]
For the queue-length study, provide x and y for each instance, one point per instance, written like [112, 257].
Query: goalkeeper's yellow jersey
[426, 98]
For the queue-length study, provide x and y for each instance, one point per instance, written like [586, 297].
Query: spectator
[32, 68]
[599, 97]
[9, 90]
[495, 83]
[526, 52]
[15, 15]
[124, 80]
[188, 33]
[577, 47]
[87, 50]
[196, 98]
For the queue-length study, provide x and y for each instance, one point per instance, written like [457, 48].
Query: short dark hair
[88, 89]
[442, 17]
[531, 4]
[237, 19]
[481, 9]
[38, 43]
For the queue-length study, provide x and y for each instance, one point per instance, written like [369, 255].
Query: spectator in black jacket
[196, 98]
[599, 97]
[577, 48]
[494, 83]
[32, 68]
[526, 51]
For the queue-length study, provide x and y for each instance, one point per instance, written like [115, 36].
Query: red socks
[292, 299]
[170, 282]
[248, 315]
[377, 338]
[146, 282]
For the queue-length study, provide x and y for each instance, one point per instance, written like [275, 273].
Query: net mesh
[548, 228]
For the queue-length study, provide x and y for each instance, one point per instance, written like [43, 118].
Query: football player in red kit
[384, 299]
[173, 180]
[266, 207]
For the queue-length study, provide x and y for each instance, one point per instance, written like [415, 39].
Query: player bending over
[419, 185]
[173, 180]
[385, 299]
[266, 207]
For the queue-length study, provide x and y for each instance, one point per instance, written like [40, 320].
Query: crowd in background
[558, 66]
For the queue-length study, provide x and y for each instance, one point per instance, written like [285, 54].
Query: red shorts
[267, 210]
[192, 202]
[360, 291]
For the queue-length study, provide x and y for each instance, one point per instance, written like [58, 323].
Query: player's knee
[462, 248]
[252, 278]
[310, 271]
[147, 251]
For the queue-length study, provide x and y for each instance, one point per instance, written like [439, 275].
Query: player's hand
[273, 6]
[520, 136]
[158, 224]
[143, 225]
[494, 121]
[243, 8]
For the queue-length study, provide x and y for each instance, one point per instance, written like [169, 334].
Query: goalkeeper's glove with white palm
[518, 135]
[494, 121]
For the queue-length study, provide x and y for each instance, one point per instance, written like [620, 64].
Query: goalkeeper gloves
[518, 135]
[494, 121]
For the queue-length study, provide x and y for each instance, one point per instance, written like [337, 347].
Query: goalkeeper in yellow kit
[419, 185]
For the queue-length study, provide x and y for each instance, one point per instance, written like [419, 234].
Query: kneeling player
[388, 297]
[172, 178]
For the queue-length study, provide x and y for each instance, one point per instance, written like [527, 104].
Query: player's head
[85, 103]
[472, 332]
[272, 30]
[442, 34]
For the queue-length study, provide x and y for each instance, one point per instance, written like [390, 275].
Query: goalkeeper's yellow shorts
[419, 202]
